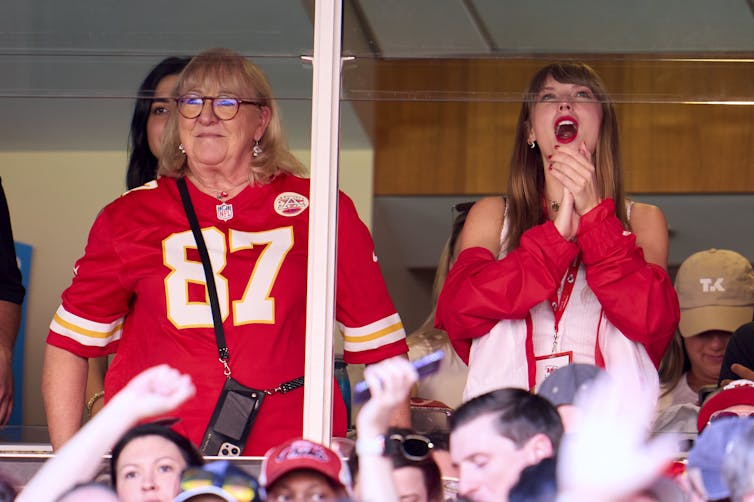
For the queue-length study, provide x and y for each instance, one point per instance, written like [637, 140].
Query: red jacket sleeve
[481, 290]
[637, 297]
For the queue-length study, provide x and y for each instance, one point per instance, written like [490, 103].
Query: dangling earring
[532, 144]
[182, 149]
[256, 150]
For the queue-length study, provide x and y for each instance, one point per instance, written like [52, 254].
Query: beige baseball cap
[715, 291]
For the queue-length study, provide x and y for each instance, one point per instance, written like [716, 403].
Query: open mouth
[566, 129]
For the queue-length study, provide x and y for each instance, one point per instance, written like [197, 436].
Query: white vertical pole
[318, 392]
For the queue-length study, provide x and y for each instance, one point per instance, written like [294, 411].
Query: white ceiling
[69, 69]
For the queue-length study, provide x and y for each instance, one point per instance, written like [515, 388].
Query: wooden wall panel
[676, 148]
[446, 126]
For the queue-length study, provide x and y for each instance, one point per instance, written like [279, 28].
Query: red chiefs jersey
[139, 291]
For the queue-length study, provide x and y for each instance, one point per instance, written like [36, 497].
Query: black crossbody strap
[286, 387]
[222, 348]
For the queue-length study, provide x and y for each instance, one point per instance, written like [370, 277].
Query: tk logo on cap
[708, 286]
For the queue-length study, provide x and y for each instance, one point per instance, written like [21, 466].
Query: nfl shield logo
[224, 212]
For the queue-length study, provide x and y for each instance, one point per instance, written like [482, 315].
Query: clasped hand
[575, 170]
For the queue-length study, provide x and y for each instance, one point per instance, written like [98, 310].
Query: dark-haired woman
[147, 462]
[564, 269]
[152, 458]
[154, 104]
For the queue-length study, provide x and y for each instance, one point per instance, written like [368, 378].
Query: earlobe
[540, 448]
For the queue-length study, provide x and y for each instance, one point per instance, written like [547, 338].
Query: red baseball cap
[735, 393]
[302, 454]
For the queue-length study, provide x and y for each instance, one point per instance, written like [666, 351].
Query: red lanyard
[559, 305]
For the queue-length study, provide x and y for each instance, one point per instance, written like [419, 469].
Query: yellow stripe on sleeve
[84, 331]
[379, 334]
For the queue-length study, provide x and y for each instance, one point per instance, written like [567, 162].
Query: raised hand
[608, 457]
[390, 382]
[156, 390]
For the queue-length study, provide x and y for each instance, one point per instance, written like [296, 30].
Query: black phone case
[231, 422]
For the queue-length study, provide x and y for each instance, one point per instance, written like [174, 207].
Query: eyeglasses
[224, 107]
[462, 207]
[241, 488]
[458, 213]
[729, 414]
[412, 446]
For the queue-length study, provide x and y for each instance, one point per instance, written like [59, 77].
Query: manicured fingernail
[549, 156]
[557, 146]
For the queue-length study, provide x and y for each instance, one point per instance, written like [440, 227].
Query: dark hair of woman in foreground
[142, 162]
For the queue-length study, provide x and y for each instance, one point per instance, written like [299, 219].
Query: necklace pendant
[224, 211]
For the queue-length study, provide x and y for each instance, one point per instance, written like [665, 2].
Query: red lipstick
[566, 128]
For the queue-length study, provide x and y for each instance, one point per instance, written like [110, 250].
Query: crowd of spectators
[507, 444]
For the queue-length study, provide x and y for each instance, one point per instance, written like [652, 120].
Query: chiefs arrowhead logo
[290, 204]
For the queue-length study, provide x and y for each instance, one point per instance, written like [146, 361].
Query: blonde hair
[427, 332]
[249, 82]
[526, 181]
[675, 362]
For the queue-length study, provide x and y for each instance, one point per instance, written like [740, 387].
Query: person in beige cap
[716, 295]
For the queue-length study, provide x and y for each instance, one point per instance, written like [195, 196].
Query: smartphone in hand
[425, 366]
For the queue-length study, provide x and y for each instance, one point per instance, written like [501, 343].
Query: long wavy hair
[247, 80]
[142, 164]
[526, 182]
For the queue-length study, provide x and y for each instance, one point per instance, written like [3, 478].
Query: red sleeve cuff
[556, 251]
[601, 233]
[65, 343]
